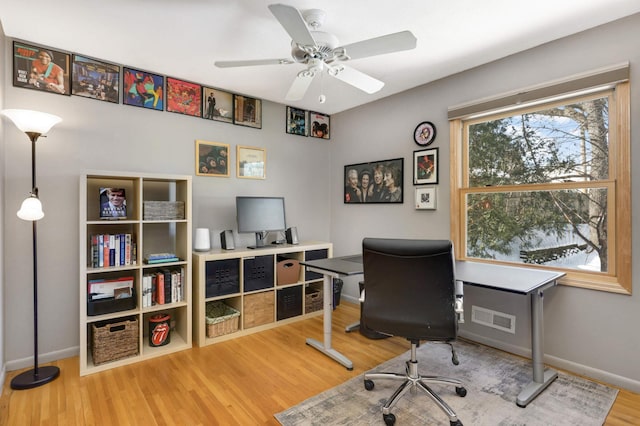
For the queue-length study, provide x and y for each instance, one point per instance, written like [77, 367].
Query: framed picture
[217, 105]
[142, 89]
[426, 198]
[247, 111]
[251, 162]
[39, 68]
[95, 79]
[320, 125]
[425, 166]
[212, 159]
[184, 97]
[297, 121]
[374, 182]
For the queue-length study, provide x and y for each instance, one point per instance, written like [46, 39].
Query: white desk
[331, 268]
[525, 281]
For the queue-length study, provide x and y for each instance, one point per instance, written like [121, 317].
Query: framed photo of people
[184, 97]
[247, 111]
[374, 182]
[217, 105]
[425, 166]
[95, 79]
[40, 68]
[212, 159]
[297, 121]
[320, 125]
[142, 89]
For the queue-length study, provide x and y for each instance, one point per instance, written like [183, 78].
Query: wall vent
[493, 319]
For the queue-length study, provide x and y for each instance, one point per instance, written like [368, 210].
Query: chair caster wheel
[456, 423]
[461, 391]
[389, 419]
[368, 384]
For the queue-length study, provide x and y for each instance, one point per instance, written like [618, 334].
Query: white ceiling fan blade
[356, 78]
[396, 42]
[249, 63]
[293, 22]
[300, 86]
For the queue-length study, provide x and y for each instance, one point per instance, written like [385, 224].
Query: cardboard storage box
[287, 271]
[258, 309]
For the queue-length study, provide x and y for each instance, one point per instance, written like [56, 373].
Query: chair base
[412, 380]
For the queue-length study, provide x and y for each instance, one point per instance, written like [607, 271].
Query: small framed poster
[247, 111]
[95, 79]
[143, 89]
[425, 166]
[212, 159]
[426, 198]
[217, 105]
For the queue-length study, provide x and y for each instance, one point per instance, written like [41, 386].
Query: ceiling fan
[320, 50]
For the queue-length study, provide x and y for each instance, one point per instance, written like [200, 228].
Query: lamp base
[29, 379]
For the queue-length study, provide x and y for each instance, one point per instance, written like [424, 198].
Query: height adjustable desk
[331, 268]
[528, 282]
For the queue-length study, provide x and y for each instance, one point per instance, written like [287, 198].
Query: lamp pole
[37, 376]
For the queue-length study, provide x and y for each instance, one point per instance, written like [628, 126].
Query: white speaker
[292, 235]
[226, 240]
[203, 242]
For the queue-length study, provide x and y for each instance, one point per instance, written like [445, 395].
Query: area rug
[493, 380]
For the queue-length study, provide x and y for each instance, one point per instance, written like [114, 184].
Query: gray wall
[587, 331]
[2, 167]
[104, 136]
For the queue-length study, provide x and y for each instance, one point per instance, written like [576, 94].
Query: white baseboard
[18, 364]
[3, 375]
[573, 367]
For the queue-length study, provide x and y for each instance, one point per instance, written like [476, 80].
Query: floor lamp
[34, 124]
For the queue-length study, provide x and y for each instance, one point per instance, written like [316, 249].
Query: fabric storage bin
[258, 273]
[287, 271]
[221, 319]
[222, 277]
[111, 341]
[289, 302]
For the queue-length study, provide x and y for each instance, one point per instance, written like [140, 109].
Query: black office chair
[410, 292]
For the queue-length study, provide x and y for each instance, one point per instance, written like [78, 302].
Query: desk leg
[328, 310]
[541, 378]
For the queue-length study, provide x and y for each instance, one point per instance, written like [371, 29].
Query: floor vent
[493, 319]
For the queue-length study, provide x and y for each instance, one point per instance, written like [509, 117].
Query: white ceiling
[183, 38]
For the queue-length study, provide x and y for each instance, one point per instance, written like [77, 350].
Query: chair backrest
[410, 288]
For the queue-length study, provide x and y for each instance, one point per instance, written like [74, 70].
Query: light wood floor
[244, 381]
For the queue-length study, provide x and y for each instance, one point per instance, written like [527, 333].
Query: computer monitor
[260, 215]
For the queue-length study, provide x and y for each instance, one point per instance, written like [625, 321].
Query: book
[113, 203]
[168, 259]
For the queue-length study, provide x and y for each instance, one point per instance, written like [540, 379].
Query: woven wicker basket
[221, 319]
[113, 341]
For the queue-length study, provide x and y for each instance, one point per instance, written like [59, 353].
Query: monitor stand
[260, 240]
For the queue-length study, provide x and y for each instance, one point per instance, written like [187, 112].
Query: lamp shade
[31, 209]
[32, 121]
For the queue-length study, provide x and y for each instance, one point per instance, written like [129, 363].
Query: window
[547, 184]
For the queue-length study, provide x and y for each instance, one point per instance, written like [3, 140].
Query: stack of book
[112, 250]
[161, 258]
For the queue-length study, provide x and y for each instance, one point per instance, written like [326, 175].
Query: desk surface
[515, 279]
[343, 265]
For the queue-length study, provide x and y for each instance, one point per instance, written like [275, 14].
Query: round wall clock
[425, 133]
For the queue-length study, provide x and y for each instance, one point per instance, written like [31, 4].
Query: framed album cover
[184, 97]
[247, 111]
[142, 89]
[320, 125]
[297, 121]
[217, 105]
[40, 68]
[252, 162]
[426, 198]
[425, 166]
[95, 79]
[212, 159]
